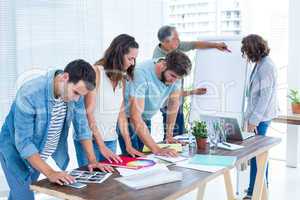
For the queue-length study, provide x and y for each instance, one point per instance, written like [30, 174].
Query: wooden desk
[288, 119]
[193, 179]
[292, 137]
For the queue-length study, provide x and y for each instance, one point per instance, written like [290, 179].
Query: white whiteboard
[223, 74]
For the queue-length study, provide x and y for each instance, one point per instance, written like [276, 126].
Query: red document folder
[131, 163]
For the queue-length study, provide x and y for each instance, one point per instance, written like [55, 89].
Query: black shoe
[247, 197]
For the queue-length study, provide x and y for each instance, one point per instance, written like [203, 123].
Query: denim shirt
[25, 129]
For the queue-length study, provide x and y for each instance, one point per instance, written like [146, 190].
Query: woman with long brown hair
[261, 94]
[104, 105]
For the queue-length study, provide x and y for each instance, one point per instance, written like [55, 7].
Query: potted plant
[199, 130]
[294, 96]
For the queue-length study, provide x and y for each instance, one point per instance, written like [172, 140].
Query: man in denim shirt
[37, 128]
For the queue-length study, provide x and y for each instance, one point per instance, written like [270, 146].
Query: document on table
[206, 168]
[208, 163]
[213, 160]
[171, 159]
[150, 178]
[177, 147]
[129, 172]
[157, 160]
[229, 146]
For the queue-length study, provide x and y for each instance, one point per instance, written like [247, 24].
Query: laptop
[232, 127]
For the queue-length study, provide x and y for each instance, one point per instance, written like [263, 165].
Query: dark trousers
[179, 128]
[136, 142]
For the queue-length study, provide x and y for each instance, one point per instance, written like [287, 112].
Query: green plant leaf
[199, 129]
[294, 96]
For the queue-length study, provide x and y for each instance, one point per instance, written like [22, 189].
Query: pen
[226, 144]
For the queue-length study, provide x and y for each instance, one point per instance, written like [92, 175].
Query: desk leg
[261, 161]
[292, 145]
[200, 194]
[237, 181]
[228, 185]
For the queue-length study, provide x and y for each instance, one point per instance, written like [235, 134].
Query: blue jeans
[262, 130]
[179, 128]
[135, 140]
[18, 190]
[81, 155]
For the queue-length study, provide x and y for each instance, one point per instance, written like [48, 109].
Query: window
[238, 19]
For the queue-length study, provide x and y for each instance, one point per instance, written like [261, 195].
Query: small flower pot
[296, 108]
[201, 143]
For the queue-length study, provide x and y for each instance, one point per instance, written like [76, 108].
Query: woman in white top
[104, 105]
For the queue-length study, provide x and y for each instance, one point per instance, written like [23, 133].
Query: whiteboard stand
[225, 75]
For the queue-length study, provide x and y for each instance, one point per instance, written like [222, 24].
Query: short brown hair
[255, 47]
[178, 62]
[81, 70]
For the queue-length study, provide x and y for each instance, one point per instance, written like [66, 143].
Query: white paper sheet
[205, 168]
[151, 178]
[129, 172]
[172, 159]
[156, 160]
[231, 146]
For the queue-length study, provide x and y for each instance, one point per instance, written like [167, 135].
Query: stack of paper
[229, 146]
[157, 160]
[150, 178]
[177, 147]
[129, 172]
[205, 168]
[171, 159]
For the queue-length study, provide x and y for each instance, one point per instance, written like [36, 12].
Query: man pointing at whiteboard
[168, 41]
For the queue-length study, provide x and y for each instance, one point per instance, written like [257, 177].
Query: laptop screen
[231, 126]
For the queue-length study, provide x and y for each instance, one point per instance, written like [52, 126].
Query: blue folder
[213, 160]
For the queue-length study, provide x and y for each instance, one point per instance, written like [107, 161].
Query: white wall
[269, 18]
[52, 33]
[38, 35]
[139, 18]
[7, 55]
[294, 44]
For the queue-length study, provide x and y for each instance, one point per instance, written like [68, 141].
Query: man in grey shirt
[168, 41]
